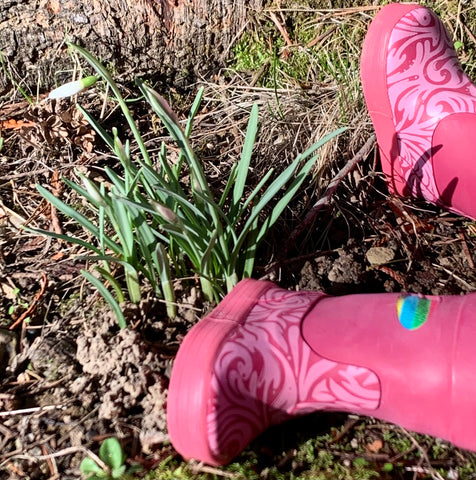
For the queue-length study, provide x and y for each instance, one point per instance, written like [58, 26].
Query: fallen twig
[393, 274]
[61, 453]
[32, 307]
[24, 411]
[466, 251]
[424, 455]
[331, 188]
[201, 468]
[56, 184]
[465, 284]
[50, 461]
[281, 29]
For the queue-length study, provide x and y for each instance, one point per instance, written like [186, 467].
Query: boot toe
[193, 392]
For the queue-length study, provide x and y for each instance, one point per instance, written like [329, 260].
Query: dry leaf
[8, 291]
[8, 216]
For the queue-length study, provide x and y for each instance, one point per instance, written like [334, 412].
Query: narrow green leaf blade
[285, 199]
[244, 163]
[193, 112]
[106, 294]
[97, 126]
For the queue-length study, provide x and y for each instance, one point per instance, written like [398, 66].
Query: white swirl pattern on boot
[266, 372]
[425, 84]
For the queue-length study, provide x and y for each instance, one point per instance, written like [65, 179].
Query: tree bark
[172, 40]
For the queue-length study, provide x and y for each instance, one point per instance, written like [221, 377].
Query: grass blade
[107, 295]
[244, 163]
[193, 112]
[165, 279]
[96, 125]
[104, 73]
[65, 238]
[114, 283]
[285, 199]
[171, 122]
[79, 218]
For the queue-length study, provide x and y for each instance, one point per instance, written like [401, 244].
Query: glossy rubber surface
[412, 81]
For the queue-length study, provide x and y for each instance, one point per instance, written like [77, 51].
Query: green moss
[251, 53]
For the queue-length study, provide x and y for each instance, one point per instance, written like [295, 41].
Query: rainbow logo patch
[413, 311]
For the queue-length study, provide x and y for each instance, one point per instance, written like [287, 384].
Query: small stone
[379, 255]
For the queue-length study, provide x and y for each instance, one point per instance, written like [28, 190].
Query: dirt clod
[127, 373]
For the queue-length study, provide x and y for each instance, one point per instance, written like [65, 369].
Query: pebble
[379, 255]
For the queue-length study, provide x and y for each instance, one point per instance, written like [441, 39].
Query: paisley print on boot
[265, 374]
[246, 367]
[266, 354]
[412, 80]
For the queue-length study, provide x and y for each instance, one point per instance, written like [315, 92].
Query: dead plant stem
[331, 188]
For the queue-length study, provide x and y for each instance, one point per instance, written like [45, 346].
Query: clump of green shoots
[110, 465]
[156, 226]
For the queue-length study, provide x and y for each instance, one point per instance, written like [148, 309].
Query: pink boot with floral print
[422, 106]
[265, 355]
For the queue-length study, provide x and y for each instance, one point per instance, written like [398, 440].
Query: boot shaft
[266, 354]
[422, 350]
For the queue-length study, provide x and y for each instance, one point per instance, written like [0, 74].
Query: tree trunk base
[172, 40]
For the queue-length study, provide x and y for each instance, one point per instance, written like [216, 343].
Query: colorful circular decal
[413, 311]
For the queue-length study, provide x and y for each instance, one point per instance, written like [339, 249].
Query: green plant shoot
[154, 227]
[112, 465]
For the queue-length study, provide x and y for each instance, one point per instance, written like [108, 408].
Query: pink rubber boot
[266, 354]
[422, 106]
